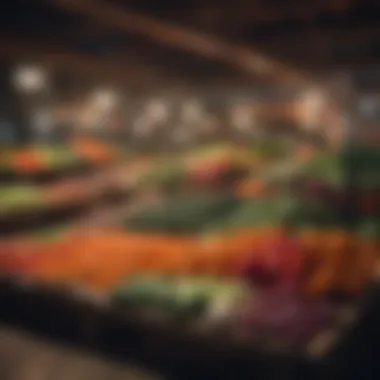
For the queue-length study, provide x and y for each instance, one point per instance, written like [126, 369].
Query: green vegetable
[51, 234]
[163, 175]
[183, 214]
[180, 297]
[143, 291]
[270, 149]
[326, 167]
[20, 197]
[312, 214]
[253, 213]
[59, 157]
[369, 228]
[359, 162]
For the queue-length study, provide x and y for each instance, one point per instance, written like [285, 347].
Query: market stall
[245, 234]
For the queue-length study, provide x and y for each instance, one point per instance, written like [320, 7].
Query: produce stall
[239, 246]
[255, 252]
[44, 162]
[49, 184]
[279, 271]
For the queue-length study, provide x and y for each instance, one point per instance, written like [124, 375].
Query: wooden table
[26, 357]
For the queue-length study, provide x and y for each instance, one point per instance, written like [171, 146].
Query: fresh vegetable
[277, 263]
[183, 214]
[20, 197]
[283, 315]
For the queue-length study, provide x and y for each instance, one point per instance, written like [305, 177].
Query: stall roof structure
[207, 42]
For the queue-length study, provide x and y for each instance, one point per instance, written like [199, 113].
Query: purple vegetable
[259, 273]
[282, 313]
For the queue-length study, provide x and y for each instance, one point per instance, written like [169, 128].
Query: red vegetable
[277, 263]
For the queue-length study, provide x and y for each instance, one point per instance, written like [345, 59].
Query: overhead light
[29, 79]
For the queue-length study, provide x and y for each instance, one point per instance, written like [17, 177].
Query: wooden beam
[246, 13]
[319, 46]
[244, 57]
[56, 58]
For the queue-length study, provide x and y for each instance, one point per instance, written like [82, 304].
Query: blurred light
[181, 135]
[313, 103]
[261, 65]
[192, 111]
[368, 106]
[143, 127]
[158, 110]
[242, 118]
[29, 79]
[42, 120]
[154, 114]
[104, 99]
[209, 124]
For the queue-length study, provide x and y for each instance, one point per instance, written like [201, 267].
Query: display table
[25, 356]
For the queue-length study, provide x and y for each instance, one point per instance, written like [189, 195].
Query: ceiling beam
[246, 13]
[208, 46]
[319, 47]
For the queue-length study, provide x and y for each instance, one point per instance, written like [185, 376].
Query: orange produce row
[331, 260]
[337, 261]
[101, 259]
[27, 160]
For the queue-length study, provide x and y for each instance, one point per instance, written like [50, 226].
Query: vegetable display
[261, 256]
[37, 158]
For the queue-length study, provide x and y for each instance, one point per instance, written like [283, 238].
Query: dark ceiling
[312, 35]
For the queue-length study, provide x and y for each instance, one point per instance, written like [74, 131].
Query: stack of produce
[164, 175]
[16, 198]
[219, 165]
[183, 214]
[214, 236]
[330, 175]
[182, 297]
[74, 191]
[265, 263]
[29, 198]
[93, 150]
[276, 264]
[55, 157]
[268, 151]
[209, 168]
[34, 159]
